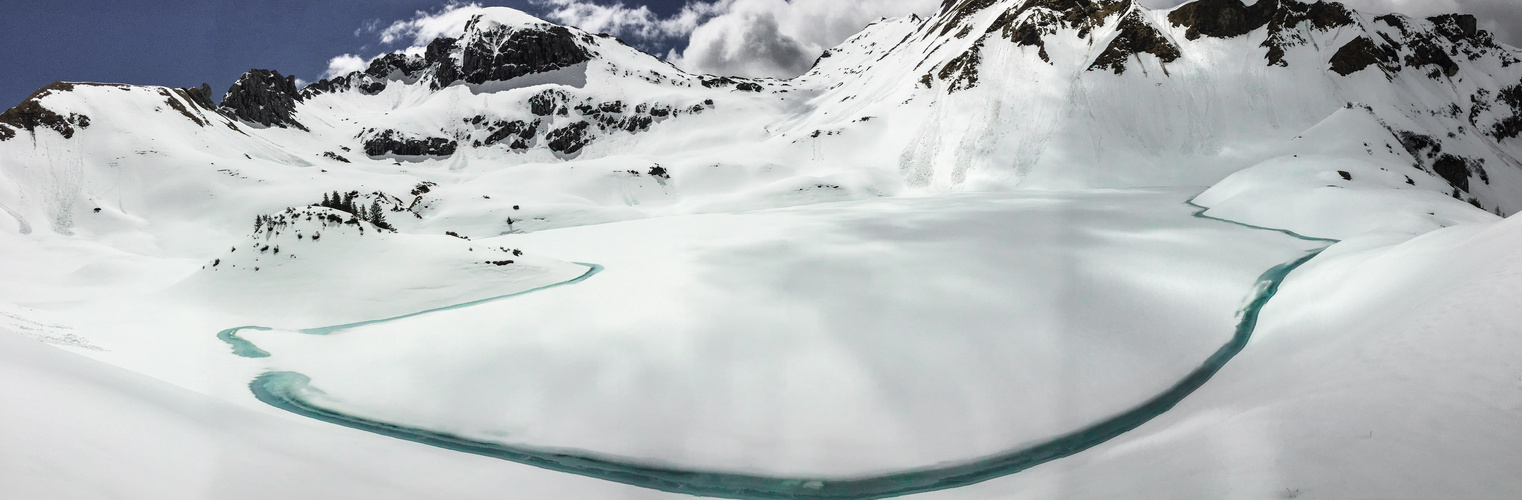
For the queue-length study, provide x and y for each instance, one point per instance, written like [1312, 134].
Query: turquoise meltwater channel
[289, 391]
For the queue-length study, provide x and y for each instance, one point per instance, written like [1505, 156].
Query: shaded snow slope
[76, 428]
[1381, 370]
[1006, 90]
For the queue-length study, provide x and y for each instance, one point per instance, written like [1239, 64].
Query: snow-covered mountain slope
[1048, 94]
[1082, 93]
[954, 237]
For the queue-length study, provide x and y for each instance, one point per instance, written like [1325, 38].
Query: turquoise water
[242, 347]
[288, 390]
[591, 270]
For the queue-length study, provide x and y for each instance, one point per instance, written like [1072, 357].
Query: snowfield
[1013, 250]
[831, 340]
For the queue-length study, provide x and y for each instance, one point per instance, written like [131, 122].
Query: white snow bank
[73, 428]
[1378, 371]
[1346, 176]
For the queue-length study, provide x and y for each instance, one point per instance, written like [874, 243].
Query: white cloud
[638, 23]
[782, 38]
[345, 64]
[425, 26]
[777, 38]
[416, 32]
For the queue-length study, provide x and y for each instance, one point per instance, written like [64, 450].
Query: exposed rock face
[324, 86]
[264, 97]
[548, 102]
[393, 142]
[574, 135]
[961, 72]
[1428, 152]
[502, 130]
[953, 12]
[1453, 169]
[1082, 15]
[504, 52]
[30, 115]
[1456, 27]
[1137, 36]
[1048, 16]
[570, 138]
[201, 96]
[1037, 20]
[393, 63]
[1452, 35]
[1361, 53]
[1283, 18]
[483, 54]
[1511, 126]
[176, 99]
[438, 55]
[1426, 53]
[740, 83]
[373, 79]
[1221, 18]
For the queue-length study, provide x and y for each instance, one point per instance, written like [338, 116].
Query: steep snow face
[1342, 177]
[1063, 94]
[125, 159]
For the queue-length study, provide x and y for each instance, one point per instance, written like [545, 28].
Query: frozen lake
[820, 341]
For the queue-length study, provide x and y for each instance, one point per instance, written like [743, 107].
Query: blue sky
[183, 43]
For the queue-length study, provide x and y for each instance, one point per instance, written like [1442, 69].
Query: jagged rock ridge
[31, 115]
[264, 97]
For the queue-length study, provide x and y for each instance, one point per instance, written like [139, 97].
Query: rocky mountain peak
[492, 50]
[265, 97]
[498, 44]
[1283, 19]
[1081, 14]
[1232, 18]
[31, 115]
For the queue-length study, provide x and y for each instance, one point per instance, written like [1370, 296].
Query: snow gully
[288, 391]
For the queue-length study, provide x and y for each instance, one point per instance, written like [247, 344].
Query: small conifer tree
[378, 216]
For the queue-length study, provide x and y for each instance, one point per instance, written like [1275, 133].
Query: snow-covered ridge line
[1037, 93]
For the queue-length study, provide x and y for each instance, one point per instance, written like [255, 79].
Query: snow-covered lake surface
[831, 339]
